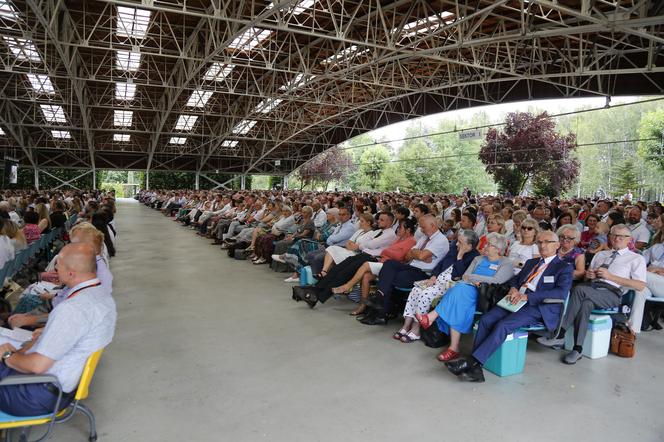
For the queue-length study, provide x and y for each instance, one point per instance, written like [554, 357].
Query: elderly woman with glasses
[455, 312]
[526, 248]
[569, 252]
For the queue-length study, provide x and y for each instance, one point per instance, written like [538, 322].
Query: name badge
[493, 266]
[548, 279]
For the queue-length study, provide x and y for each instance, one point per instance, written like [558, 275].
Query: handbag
[623, 341]
[433, 337]
[488, 295]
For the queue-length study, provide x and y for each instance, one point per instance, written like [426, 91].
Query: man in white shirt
[611, 273]
[421, 261]
[638, 227]
[320, 217]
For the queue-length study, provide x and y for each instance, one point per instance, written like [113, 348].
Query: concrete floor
[208, 348]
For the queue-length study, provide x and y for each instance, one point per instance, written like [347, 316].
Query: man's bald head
[78, 259]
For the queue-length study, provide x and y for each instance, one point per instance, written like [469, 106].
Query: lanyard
[539, 268]
[71, 295]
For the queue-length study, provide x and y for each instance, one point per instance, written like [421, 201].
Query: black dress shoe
[474, 374]
[458, 366]
[375, 320]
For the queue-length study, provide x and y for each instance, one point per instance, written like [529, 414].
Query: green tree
[651, 130]
[373, 162]
[626, 177]
[393, 179]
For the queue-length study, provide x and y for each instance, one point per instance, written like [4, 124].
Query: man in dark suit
[540, 279]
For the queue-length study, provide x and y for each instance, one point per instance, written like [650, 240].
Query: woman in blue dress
[455, 312]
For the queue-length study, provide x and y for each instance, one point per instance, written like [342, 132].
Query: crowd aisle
[208, 348]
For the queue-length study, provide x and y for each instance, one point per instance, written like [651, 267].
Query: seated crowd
[433, 252]
[69, 310]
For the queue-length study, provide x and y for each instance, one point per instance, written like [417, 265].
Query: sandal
[321, 275]
[340, 291]
[358, 311]
[448, 355]
[409, 337]
[400, 334]
[423, 320]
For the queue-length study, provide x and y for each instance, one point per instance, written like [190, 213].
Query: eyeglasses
[541, 243]
[567, 238]
[619, 236]
[527, 228]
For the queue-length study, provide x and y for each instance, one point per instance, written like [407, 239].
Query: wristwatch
[6, 355]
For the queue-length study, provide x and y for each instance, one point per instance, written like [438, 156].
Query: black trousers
[341, 274]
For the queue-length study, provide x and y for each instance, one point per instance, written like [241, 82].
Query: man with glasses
[611, 272]
[541, 279]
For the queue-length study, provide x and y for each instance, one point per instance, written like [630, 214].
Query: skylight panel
[249, 39]
[62, 134]
[244, 126]
[22, 49]
[132, 22]
[121, 137]
[266, 106]
[229, 143]
[127, 61]
[199, 98]
[177, 140]
[125, 91]
[7, 10]
[218, 71]
[186, 122]
[426, 25]
[297, 9]
[41, 84]
[2, 132]
[345, 54]
[298, 81]
[53, 113]
[122, 118]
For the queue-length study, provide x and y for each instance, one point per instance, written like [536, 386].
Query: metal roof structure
[235, 85]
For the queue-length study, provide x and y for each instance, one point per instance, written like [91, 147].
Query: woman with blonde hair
[526, 248]
[494, 224]
[44, 223]
[15, 235]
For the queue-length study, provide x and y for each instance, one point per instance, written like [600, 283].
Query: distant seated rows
[434, 252]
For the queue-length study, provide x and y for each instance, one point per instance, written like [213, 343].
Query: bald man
[80, 325]
[546, 278]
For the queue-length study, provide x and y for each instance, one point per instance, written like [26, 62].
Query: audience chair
[627, 299]
[538, 328]
[9, 423]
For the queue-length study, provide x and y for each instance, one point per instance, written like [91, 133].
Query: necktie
[540, 266]
[612, 258]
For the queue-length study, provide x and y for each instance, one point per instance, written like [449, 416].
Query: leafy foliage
[626, 177]
[652, 126]
[332, 165]
[530, 148]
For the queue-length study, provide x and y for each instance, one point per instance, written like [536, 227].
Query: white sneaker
[278, 258]
[291, 279]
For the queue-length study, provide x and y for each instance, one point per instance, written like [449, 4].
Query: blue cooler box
[597, 341]
[510, 358]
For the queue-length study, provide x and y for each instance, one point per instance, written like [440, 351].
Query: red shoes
[423, 320]
[448, 355]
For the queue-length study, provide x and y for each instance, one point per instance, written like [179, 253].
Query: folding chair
[9, 422]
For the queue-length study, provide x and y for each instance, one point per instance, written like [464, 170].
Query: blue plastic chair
[627, 299]
[541, 327]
